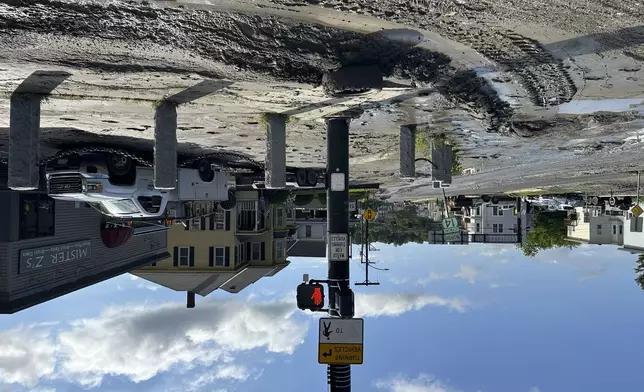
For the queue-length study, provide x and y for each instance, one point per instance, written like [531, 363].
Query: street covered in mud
[514, 90]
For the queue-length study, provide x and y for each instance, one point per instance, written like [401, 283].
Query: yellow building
[229, 250]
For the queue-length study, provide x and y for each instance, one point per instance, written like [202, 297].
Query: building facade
[227, 250]
[49, 248]
[596, 225]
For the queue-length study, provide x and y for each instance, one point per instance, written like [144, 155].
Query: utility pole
[637, 198]
[366, 262]
[341, 300]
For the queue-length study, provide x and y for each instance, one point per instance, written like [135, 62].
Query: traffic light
[310, 296]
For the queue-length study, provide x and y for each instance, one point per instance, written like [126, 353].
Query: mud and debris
[263, 46]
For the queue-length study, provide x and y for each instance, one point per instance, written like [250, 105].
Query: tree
[639, 271]
[399, 227]
[549, 232]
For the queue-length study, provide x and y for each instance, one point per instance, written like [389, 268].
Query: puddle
[603, 105]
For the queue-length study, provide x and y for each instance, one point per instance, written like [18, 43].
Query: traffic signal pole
[341, 301]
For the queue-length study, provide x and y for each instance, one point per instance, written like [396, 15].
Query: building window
[184, 255]
[308, 232]
[478, 227]
[219, 257]
[242, 251]
[599, 229]
[497, 228]
[279, 217]
[219, 218]
[500, 211]
[195, 224]
[621, 229]
[279, 249]
[257, 251]
[614, 229]
[495, 211]
[500, 227]
[36, 216]
[478, 211]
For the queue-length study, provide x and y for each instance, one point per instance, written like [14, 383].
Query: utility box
[442, 158]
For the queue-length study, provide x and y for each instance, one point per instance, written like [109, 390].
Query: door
[614, 236]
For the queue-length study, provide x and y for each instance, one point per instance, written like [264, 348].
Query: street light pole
[341, 303]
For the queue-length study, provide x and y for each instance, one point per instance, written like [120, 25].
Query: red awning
[113, 237]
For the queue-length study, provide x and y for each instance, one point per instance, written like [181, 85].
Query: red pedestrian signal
[310, 296]
[317, 296]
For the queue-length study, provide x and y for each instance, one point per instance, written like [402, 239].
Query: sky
[475, 318]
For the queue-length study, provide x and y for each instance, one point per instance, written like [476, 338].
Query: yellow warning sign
[340, 354]
[637, 211]
[369, 214]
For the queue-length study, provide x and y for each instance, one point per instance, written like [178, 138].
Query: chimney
[191, 300]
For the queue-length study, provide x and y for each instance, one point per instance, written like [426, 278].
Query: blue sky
[445, 319]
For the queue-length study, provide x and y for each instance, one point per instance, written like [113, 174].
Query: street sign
[341, 341]
[369, 214]
[338, 247]
[450, 225]
[310, 296]
[452, 237]
[637, 211]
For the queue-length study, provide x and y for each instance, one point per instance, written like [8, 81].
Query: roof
[245, 278]
[200, 282]
[307, 249]
[278, 268]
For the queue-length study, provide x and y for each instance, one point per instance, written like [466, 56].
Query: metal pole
[337, 142]
[637, 198]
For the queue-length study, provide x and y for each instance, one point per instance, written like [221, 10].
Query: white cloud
[234, 372]
[152, 287]
[423, 383]
[469, 273]
[139, 342]
[394, 304]
[27, 354]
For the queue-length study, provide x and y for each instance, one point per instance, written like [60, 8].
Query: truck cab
[120, 188]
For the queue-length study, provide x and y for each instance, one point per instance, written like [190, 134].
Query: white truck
[120, 188]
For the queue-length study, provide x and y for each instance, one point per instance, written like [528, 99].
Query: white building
[594, 226]
[633, 233]
[488, 218]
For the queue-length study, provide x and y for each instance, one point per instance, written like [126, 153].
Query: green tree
[549, 232]
[639, 271]
[399, 227]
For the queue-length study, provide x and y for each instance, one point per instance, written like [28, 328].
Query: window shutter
[211, 219]
[192, 256]
[249, 253]
[175, 254]
[263, 251]
[227, 257]
[202, 223]
[227, 221]
[211, 256]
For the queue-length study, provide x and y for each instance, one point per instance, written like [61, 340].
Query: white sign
[337, 182]
[452, 237]
[341, 331]
[338, 249]
[450, 225]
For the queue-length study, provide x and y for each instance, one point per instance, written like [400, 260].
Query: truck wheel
[120, 169]
[119, 164]
[205, 170]
[312, 177]
[612, 202]
[485, 198]
[301, 177]
[229, 204]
